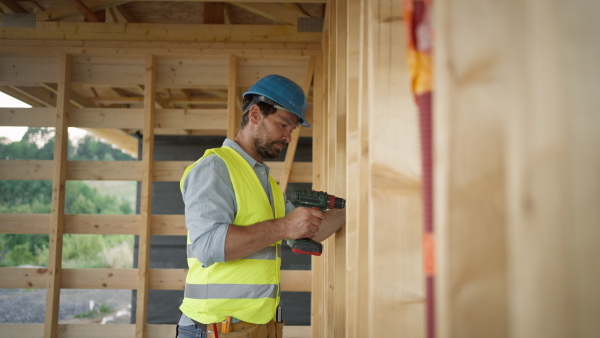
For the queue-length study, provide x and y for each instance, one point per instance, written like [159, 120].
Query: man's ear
[254, 114]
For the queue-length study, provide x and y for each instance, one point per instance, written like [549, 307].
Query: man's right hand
[302, 223]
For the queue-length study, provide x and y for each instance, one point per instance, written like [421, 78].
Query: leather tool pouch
[269, 330]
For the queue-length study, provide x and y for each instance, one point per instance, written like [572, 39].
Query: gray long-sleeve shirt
[210, 206]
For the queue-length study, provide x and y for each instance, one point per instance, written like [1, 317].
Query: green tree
[23, 196]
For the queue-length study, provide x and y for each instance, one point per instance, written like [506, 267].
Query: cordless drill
[317, 200]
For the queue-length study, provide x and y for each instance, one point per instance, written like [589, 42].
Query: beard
[267, 150]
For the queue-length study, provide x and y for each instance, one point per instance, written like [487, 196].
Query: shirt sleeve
[209, 209]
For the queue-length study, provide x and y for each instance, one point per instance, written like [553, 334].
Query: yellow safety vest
[247, 288]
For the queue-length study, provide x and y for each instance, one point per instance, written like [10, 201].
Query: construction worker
[237, 216]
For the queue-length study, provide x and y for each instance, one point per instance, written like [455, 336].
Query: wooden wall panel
[133, 68]
[396, 277]
[553, 169]
[470, 159]
[517, 185]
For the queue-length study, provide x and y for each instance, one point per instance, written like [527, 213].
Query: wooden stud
[59, 173]
[232, 120]
[291, 150]
[470, 154]
[317, 177]
[396, 286]
[354, 160]
[146, 197]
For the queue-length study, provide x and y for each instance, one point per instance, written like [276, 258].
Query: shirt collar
[232, 144]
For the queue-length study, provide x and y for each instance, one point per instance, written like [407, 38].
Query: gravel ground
[28, 305]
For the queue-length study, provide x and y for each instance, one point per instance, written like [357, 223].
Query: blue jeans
[191, 331]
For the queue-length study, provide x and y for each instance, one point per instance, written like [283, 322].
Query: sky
[15, 133]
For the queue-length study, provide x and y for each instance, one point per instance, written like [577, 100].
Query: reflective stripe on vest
[230, 291]
[247, 288]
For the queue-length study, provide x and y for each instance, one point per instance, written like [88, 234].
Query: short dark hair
[265, 108]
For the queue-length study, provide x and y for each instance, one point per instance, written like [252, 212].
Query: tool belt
[226, 329]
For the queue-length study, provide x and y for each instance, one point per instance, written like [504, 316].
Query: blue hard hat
[283, 92]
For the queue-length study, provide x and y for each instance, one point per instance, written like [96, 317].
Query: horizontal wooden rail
[209, 121]
[172, 72]
[164, 171]
[116, 330]
[160, 279]
[92, 224]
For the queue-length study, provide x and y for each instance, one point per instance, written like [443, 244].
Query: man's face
[273, 134]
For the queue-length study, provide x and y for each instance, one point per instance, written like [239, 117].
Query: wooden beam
[291, 150]
[357, 159]
[232, 120]
[46, 30]
[11, 7]
[276, 12]
[69, 11]
[318, 158]
[396, 296]
[191, 49]
[214, 13]
[111, 279]
[146, 197]
[82, 8]
[470, 164]
[123, 141]
[59, 173]
[76, 99]
[93, 224]
[339, 114]
[164, 171]
[40, 97]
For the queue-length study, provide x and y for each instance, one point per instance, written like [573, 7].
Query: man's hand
[244, 240]
[302, 223]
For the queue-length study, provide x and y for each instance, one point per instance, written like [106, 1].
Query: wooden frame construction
[516, 135]
[70, 66]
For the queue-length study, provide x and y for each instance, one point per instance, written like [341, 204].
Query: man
[237, 216]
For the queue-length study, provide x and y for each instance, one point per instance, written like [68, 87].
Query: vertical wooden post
[329, 183]
[232, 120]
[469, 124]
[291, 151]
[362, 202]
[396, 277]
[59, 174]
[339, 176]
[357, 175]
[146, 197]
[317, 266]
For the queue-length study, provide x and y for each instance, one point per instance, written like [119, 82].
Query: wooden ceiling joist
[274, 12]
[88, 13]
[9, 6]
[158, 32]
[68, 11]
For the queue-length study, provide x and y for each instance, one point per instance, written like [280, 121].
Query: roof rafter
[274, 11]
